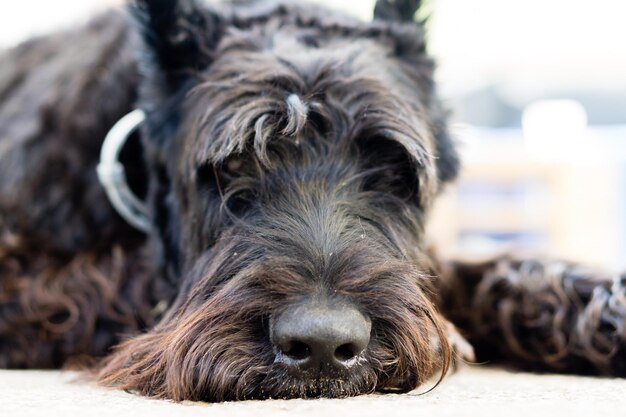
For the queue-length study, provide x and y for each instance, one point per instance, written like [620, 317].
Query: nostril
[319, 338]
[346, 352]
[296, 350]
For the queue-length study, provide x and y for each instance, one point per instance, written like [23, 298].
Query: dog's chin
[280, 384]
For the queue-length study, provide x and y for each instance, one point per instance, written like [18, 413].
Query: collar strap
[113, 177]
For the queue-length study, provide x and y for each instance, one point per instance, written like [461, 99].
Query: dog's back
[59, 95]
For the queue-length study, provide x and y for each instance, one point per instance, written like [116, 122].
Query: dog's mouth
[279, 383]
[364, 373]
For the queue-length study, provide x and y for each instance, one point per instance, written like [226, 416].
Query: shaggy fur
[289, 153]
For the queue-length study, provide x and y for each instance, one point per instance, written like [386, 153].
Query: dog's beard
[279, 383]
[213, 344]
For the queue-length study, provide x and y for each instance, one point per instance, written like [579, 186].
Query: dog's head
[294, 154]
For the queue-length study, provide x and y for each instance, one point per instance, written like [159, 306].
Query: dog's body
[289, 159]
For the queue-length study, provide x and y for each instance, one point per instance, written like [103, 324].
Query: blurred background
[538, 94]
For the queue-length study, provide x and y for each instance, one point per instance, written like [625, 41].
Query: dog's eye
[206, 176]
[390, 167]
[234, 165]
[209, 175]
[225, 181]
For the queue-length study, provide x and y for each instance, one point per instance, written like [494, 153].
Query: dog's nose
[320, 337]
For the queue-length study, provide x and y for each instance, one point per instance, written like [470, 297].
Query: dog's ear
[396, 10]
[412, 50]
[180, 35]
[448, 161]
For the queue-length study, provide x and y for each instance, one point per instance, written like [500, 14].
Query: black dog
[282, 176]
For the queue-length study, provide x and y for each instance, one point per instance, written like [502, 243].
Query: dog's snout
[320, 337]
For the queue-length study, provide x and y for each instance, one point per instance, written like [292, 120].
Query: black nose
[321, 338]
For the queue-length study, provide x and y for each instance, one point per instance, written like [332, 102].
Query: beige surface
[472, 392]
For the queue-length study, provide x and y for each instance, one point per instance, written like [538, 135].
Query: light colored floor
[472, 392]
